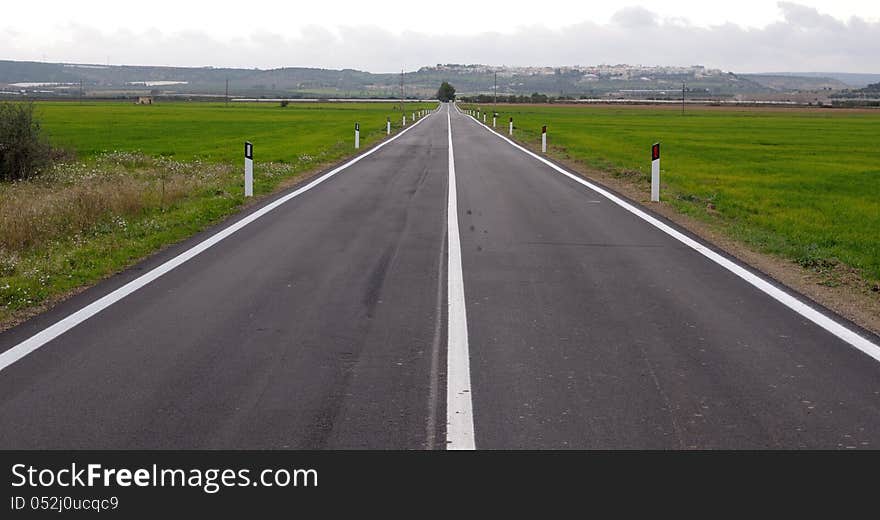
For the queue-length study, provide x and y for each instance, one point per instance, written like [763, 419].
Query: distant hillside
[851, 80]
[794, 83]
[64, 80]
[120, 80]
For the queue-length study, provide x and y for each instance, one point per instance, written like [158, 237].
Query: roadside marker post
[544, 139]
[357, 136]
[484, 118]
[655, 172]
[510, 130]
[494, 119]
[388, 126]
[413, 117]
[404, 119]
[248, 169]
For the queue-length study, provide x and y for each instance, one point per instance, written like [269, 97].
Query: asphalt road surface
[360, 313]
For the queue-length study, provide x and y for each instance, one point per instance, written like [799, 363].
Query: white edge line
[39, 339]
[841, 331]
[459, 407]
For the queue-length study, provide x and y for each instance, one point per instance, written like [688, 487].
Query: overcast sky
[387, 35]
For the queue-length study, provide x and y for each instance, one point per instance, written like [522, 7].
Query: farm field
[803, 184]
[213, 132]
[148, 176]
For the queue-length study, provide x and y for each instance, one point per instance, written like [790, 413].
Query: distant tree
[446, 92]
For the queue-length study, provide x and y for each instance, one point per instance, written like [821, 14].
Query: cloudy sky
[385, 36]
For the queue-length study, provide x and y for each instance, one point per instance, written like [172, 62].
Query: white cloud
[802, 39]
[635, 17]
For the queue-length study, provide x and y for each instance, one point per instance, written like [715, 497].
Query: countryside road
[361, 313]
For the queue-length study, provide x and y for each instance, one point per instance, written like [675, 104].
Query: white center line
[459, 409]
[36, 341]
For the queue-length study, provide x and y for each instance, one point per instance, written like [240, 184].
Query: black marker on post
[655, 172]
[248, 169]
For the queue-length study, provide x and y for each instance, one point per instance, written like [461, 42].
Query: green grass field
[148, 176]
[215, 133]
[802, 184]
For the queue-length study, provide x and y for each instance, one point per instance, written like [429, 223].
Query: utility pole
[495, 102]
[682, 98]
[82, 92]
[227, 92]
[402, 96]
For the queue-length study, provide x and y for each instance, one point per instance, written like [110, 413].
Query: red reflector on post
[655, 152]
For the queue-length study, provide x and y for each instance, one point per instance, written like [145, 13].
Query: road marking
[36, 341]
[841, 331]
[459, 409]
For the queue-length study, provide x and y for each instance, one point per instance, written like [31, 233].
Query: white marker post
[248, 169]
[404, 119]
[655, 172]
[388, 126]
[484, 118]
[494, 119]
[544, 139]
[510, 130]
[413, 116]
[357, 136]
